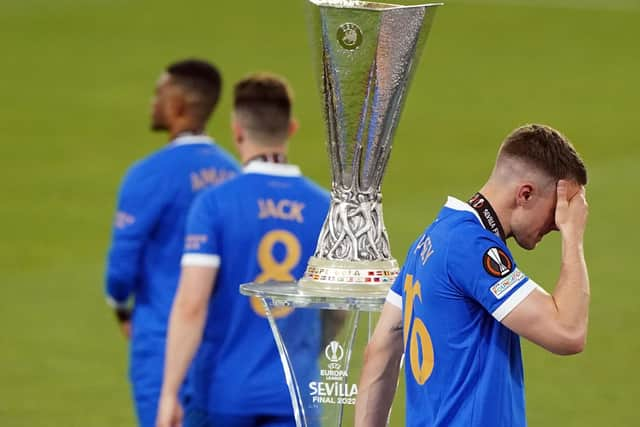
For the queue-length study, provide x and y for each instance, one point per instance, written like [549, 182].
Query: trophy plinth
[366, 54]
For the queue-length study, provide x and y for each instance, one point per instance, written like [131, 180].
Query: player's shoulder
[239, 183]
[145, 162]
[210, 154]
[463, 231]
[473, 249]
[155, 162]
[470, 235]
[207, 199]
[233, 188]
[314, 189]
[146, 170]
[225, 157]
[173, 153]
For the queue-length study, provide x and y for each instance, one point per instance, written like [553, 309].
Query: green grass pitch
[76, 78]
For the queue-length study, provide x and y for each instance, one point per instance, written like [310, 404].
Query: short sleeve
[202, 246]
[483, 267]
[394, 296]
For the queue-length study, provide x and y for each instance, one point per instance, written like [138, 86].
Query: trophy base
[349, 277]
[320, 371]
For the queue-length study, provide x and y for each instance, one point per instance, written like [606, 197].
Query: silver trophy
[366, 54]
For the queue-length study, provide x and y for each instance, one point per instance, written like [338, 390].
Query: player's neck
[182, 129]
[500, 205]
[272, 154]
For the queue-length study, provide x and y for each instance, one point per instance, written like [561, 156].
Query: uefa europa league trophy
[366, 54]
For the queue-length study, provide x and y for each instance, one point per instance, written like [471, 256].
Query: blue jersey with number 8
[262, 225]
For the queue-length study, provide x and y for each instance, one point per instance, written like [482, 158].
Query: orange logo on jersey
[496, 262]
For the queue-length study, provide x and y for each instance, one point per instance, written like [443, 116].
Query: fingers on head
[561, 188]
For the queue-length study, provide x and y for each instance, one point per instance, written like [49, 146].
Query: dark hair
[262, 103]
[546, 149]
[200, 79]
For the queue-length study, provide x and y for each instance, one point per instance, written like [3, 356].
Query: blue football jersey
[148, 235]
[261, 226]
[462, 366]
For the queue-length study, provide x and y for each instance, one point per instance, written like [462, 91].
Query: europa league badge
[366, 54]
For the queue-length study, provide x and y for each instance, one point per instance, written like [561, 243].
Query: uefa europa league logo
[334, 352]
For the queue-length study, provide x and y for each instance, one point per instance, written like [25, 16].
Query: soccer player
[460, 302]
[262, 225]
[148, 235]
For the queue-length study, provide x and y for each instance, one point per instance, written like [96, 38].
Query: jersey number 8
[272, 269]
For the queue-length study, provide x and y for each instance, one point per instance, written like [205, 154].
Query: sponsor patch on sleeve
[124, 219]
[193, 242]
[496, 262]
[504, 285]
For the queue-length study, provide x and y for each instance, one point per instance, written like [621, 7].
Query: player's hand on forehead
[571, 205]
[566, 190]
[571, 187]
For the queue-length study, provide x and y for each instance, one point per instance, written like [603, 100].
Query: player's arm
[558, 322]
[139, 208]
[200, 263]
[379, 376]
[186, 325]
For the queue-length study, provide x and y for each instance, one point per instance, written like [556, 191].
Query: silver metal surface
[365, 54]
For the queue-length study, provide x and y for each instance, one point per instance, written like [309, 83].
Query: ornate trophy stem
[354, 229]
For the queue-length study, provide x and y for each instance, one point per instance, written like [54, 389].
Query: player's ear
[293, 127]
[524, 194]
[176, 104]
[236, 130]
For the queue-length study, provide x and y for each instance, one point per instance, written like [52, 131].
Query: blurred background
[76, 80]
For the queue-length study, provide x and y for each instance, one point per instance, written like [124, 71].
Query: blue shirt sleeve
[396, 293]
[141, 200]
[202, 242]
[484, 269]
[394, 297]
